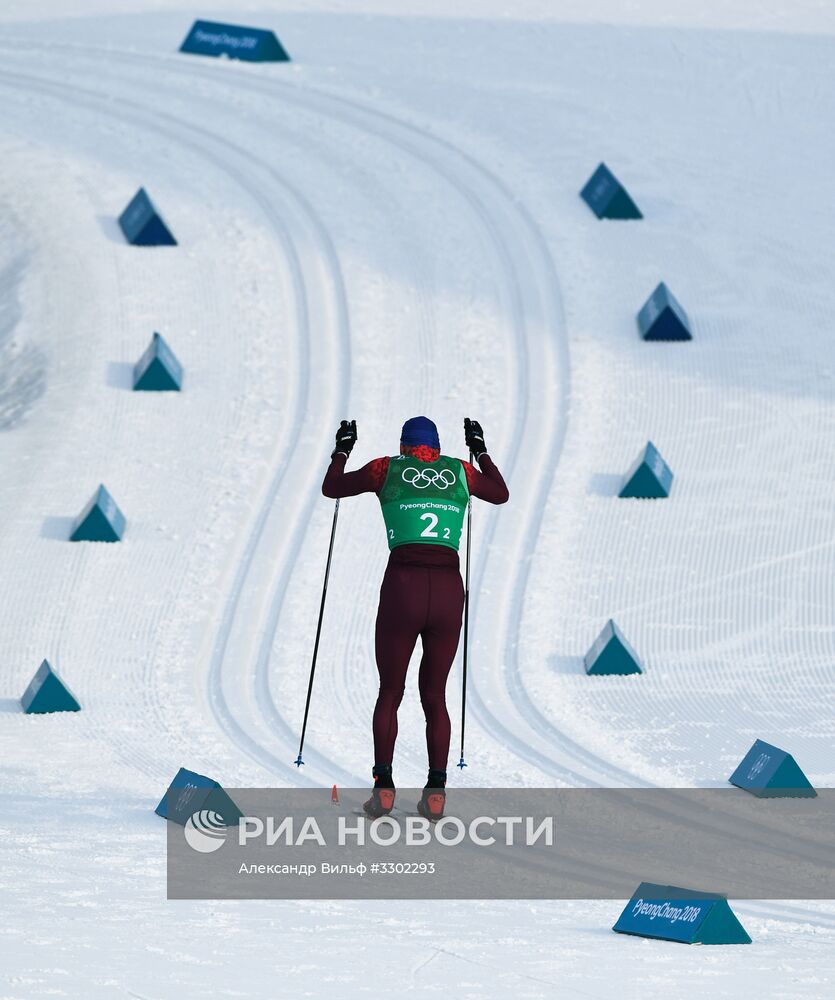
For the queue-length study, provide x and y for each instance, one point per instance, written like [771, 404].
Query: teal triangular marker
[158, 370]
[48, 693]
[100, 521]
[607, 197]
[662, 317]
[769, 772]
[142, 224]
[190, 792]
[649, 477]
[610, 653]
[672, 913]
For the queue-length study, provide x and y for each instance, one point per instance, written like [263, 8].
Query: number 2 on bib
[429, 530]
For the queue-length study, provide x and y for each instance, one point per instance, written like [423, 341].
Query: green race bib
[424, 502]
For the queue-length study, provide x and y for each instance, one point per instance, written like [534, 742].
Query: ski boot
[381, 802]
[433, 800]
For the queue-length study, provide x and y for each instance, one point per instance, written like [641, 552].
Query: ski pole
[461, 763]
[298, 761]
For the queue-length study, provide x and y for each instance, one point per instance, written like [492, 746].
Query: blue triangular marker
[649, 477]
[610, 653]
[663, 318]
[208, 38]
[769, 773]
[100, 521]
[671, 913]
[48, 693]
[189, 792]
[607, 197]
[142, 224]
[158, 370]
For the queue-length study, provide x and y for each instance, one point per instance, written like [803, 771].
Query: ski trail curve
[277, 722]
[494, 202]
[503, 216]
[324, 255]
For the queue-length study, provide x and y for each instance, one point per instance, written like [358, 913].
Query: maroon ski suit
[422, 594]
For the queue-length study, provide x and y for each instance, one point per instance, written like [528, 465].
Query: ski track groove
[494, 234]
[275, 721]
[88, 558]
[239, 736]
[536, 242]
[101, 105]
[137, 757]
[576, 764]
[483, 215]
[387, 130]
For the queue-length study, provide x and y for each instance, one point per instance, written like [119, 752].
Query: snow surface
[390, 225]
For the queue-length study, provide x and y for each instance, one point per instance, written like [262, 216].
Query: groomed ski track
[534, 321]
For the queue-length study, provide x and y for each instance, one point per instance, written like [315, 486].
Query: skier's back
[424, 497]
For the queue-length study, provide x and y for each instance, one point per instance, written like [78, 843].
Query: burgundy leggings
[422, 595]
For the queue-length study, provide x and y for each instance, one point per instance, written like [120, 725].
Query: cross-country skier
[424, 497]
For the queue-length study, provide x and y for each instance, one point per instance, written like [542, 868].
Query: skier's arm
[338, 483]
[487, 484]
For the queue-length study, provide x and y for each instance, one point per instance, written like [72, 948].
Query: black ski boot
[381, 802]
[433, 800]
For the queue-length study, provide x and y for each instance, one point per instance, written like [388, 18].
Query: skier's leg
[440, 643]
[400, 617]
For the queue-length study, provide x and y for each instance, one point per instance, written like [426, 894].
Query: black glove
[346, 437]
[474, 438]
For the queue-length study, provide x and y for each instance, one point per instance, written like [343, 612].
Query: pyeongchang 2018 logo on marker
[205, 831]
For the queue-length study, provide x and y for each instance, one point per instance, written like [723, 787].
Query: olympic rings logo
[423, 478]
[759, 765]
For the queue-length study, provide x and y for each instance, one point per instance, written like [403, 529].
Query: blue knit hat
[420, 430]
